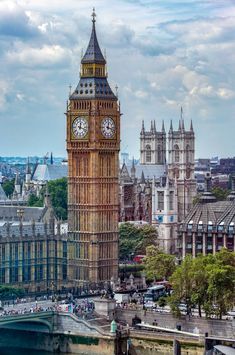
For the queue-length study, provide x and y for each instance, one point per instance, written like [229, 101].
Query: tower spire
[93, 53]
[93, 15]
[191, 126]
[163, 126]
[182, 118]
[171, 127]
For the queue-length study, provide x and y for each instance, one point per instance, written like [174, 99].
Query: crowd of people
[77, 307]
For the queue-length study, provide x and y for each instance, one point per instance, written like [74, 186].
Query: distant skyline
[162, 55]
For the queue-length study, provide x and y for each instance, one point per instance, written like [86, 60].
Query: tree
[135, 239]
[9, 291]
[158, 265]
[200, 280]
[219, 193]
[208, 281]
[8, 187]
[58, 192]
[182, 285]
[162, 302]
[35, 201]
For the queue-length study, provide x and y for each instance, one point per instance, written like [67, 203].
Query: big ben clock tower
[93, 143]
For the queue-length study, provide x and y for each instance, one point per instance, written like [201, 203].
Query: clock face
[108, 127]
[80, 127]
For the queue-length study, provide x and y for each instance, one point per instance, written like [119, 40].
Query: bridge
[55, 322]
[57, 331]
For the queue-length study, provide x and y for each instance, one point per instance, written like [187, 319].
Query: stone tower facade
[181, 155]
[93, 143]
[153, 145]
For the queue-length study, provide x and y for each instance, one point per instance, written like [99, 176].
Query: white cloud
[45, 56]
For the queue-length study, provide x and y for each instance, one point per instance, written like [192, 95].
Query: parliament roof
[2, 193]
[46, 172]
[10, 213]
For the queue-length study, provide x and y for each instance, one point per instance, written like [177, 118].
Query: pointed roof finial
[52, 160]
[143, 129]
[93, 53]
[154, 126]
[28, 170]
[179, 129]
[142, 180]
[182, 118]
[191, 126]
[116, 88]
[171, 127]
[163, 126]
[133, 168]
[17, 179]
[93, 15]
[151, 125]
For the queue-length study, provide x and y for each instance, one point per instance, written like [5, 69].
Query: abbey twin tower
[161, 187]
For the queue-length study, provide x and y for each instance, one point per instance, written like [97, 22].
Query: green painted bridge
[41, 321]
[57, 332]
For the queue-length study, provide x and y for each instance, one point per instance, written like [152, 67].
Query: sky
[162, 54]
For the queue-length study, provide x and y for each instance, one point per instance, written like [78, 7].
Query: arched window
[159, 155]
[148, 154]
[187, 154]
[177, 153]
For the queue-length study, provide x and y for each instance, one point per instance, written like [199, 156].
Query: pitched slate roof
[93, 53]
[9, 213]
[211, 212]
[150, 171]
[46, 172]
[90, 88]
[2, 193]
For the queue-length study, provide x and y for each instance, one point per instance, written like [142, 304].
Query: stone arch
[148, 153]
[159, 154]
[188, 157]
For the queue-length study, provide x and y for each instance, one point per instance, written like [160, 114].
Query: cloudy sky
[161, 53]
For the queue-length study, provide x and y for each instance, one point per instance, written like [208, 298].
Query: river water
[17, 351]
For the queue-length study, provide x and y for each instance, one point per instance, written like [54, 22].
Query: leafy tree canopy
[206, 281]
[58, 193]
[158, 265]
[9, 291]
[8, 186]
[135, 239]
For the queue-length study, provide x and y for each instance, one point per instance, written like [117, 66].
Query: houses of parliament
[36, 255]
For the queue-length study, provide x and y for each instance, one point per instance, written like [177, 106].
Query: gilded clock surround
[93, 174]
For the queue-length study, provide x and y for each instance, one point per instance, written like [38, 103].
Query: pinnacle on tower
[17, 179]
[191, 126]
[163, 127]
[171, 127]
[93, 53]
[151, 126]
[154, 126]
[51, 160]
[133, 170]
[181, 119]
[28, 170]
[180, 127]
[182, 124]
[143, 129]
[142, 180]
